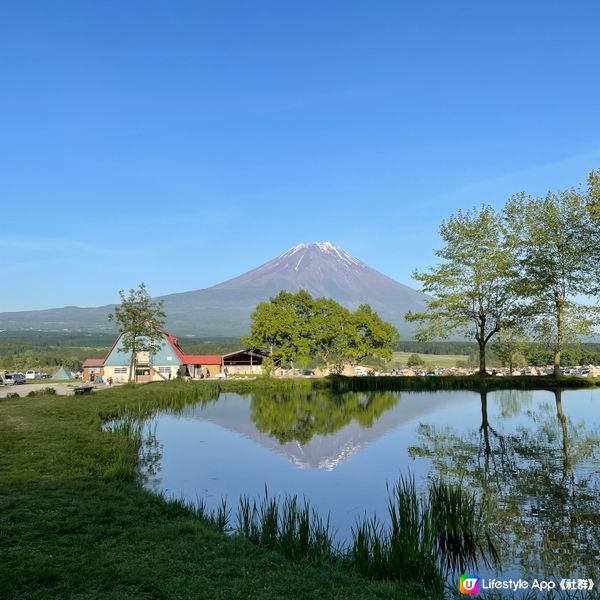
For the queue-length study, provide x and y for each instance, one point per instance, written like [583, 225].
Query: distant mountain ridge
[321, 268]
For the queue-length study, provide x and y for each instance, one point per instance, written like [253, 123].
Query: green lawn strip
[73, 524]
[445, 361]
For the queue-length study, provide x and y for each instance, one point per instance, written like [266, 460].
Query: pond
[533, 455]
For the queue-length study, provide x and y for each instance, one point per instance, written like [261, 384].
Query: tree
[296, 327]
[414, 360]
[141, 322]
[509, 347]
[472, 288]
[552, 239]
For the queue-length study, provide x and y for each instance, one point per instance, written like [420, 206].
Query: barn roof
[202, 359]
[93, 362]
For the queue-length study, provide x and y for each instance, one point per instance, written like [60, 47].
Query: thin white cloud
[545, 172]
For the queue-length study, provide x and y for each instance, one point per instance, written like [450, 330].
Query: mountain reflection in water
[532, 456]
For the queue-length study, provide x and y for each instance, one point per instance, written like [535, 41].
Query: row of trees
[296, 328]
[524, 270]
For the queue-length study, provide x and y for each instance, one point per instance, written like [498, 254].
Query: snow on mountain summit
[328, 249]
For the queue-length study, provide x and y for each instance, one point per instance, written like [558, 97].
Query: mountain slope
[224, 309]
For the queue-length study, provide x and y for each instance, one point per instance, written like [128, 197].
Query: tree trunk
[132, 364]
[482, 368]
[559, 336]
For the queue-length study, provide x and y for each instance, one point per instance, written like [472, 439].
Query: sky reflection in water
[533, 455]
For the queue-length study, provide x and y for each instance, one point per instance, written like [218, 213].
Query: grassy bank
[74, 521]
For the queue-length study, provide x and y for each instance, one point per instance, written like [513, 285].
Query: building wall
[212, 369]
[120, 373]
[87, 372]
[244, 369]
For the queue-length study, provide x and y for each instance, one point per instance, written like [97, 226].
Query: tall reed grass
[285, 524]
[428, 538]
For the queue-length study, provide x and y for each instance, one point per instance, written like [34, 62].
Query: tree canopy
[297, 327]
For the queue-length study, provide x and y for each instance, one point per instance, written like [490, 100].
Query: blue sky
[183, 143]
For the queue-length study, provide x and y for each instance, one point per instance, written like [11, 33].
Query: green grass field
[431, 360]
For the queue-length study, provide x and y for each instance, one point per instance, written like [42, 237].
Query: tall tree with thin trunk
[141, 322]
[552, 238]
[471, 289]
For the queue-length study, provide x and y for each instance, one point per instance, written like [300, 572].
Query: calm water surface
[534, 455]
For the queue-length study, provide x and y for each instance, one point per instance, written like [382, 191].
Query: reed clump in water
[427, 538]
[287, 525]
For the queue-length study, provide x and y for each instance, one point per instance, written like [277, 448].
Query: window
[164, 369]
[120, 370]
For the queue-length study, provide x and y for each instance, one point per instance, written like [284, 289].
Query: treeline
[535, 354]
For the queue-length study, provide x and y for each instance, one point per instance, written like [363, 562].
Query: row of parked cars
[7, 378]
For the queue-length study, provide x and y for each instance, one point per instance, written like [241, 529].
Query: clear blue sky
[183, 143]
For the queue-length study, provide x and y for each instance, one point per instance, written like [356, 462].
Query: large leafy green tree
[552, 239]
[297, 327]
[141, 321]
[471, 289]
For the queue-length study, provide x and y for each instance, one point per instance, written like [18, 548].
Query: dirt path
[62, 389]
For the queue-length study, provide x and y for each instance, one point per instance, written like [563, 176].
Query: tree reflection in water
[300, 415]
[543, 496]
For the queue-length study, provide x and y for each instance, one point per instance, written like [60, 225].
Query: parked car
[32, 374]
[305, 372]
[13, 379]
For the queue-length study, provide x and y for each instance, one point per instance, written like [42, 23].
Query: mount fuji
[321, 268]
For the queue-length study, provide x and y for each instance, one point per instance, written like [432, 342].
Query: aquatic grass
[458, 527]
[286, 525]
[341, 384]
[427, 537]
